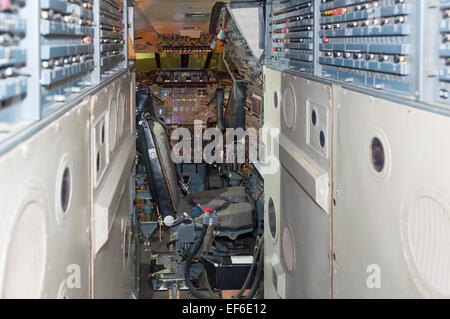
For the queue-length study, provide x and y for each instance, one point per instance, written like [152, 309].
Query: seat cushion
[237, 215]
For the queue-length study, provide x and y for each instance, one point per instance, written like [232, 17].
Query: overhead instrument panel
[186, 44]
[291, 33]
[369, 42]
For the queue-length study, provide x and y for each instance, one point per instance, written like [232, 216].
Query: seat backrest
[235, 113]
[161, 170]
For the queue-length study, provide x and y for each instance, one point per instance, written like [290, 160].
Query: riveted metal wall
[391, 229]
[46, 216]
[50, 129]
[112, 161]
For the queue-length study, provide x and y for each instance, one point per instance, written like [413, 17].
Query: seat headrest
[144, 103]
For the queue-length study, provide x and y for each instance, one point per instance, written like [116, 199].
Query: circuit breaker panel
[369, 42]
[67, 51]
[111, 34]
[391, 48]
[13, 65]
[444, 52]
[54, 51]
[291, 32]
[13, 52]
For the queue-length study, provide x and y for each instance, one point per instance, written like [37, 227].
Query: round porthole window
[272, 218]
[66, 189]
[377, 155]
[289, 107]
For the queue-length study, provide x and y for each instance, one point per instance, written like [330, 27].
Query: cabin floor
[159, 242]
[146, 291]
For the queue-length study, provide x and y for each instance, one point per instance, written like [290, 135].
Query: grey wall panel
[112, 160]
[305, 216]
[47, 127]
[112, 277]
[305, 242]
[272, 97]
[306, 136]
[44, 233]
[391, 220]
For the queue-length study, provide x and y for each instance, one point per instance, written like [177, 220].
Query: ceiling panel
[169, 16]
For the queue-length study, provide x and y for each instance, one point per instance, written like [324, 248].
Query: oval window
[275, 99]
[98, 162]
[272, 219]
[322, 139]
[65, 190]
[377, 155]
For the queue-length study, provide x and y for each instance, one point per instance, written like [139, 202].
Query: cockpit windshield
[170, 60]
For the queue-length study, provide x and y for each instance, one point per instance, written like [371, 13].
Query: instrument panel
[254, 117]
[183, 77]
[183, 105]
[181, 96]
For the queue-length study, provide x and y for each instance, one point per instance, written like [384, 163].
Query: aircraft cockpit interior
[240, 150]
[210, 205]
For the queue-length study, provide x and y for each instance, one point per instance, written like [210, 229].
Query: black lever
[220, 95]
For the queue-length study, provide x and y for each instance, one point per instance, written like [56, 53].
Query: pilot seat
[232, 205]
